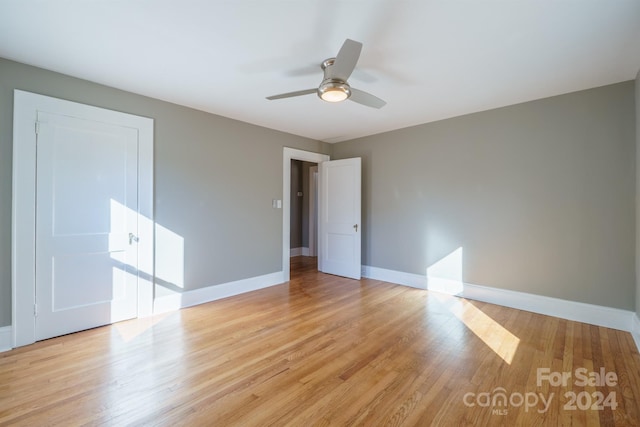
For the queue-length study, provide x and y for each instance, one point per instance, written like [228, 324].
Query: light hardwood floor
[323, 350]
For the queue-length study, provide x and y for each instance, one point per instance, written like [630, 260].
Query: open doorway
[339, 208]
[287, 196]
[303, 203]
[303, 216]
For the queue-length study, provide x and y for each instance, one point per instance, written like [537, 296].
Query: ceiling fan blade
[303, 71]
[292, 94]
[364, 98]
[346, 60]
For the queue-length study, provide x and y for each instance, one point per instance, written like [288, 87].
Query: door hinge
[35, 310]
[37, 128]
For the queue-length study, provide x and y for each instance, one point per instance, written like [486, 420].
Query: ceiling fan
[334, 86]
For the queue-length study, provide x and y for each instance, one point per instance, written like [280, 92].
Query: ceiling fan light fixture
[334, 91]
[334, 87]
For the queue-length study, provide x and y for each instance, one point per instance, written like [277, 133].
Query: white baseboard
[397, 277]
[212, 293]
[299, 252]
[636, 330]
[608, 317]
[6, 343]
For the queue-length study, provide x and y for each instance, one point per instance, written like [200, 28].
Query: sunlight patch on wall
[124, 222]
[126, 230]
[129, 230]
[118, 231]
[169, 256]
[445, 275]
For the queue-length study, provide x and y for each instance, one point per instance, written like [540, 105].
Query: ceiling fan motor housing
[332, 89]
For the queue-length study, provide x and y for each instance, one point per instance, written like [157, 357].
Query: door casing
[23, 253]
[288, 155]
[313, 211]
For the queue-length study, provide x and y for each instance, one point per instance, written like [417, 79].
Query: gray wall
[214, 179]
[637, 87]
[539, 195]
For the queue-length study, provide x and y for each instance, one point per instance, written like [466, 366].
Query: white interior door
[86, 224]
[339, 227]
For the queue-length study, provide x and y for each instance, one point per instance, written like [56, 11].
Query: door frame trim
[23, 222]
[313, 211]
[288, 155]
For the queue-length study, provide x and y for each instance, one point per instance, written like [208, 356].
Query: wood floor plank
[327, 351]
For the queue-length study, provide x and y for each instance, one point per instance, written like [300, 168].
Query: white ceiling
[429, 60]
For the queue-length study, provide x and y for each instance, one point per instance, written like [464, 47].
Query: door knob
[356, 227]
[133, 238]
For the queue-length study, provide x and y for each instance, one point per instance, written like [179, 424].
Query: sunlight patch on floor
[445, 277]
[492, 333]
[131, 329]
